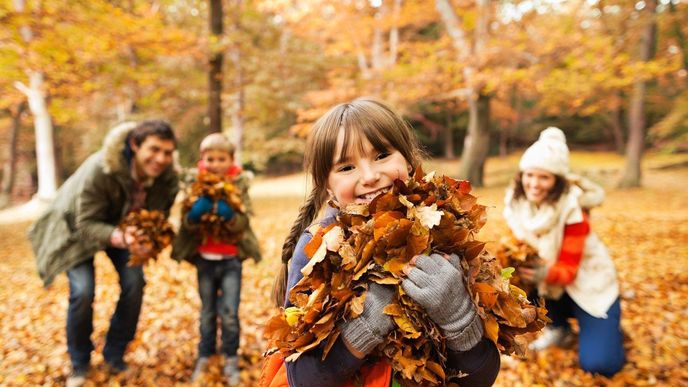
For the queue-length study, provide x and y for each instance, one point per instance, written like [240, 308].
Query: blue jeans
[80, 311]
[219, 285]
[600, 341]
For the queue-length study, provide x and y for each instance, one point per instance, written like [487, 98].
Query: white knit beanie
[548, 153]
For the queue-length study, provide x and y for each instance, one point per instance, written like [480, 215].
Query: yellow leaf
[406, 326]
[292, 315]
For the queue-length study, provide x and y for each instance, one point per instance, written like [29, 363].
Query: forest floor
[646, 230]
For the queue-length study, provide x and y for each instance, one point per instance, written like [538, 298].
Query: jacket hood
[113, 144]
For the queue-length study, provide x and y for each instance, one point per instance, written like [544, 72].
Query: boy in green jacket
[218, 261]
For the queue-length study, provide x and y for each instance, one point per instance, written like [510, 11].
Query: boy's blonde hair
[361, 119]
[217, 141]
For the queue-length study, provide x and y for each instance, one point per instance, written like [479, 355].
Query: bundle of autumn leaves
[514, 253]
[373, 243]
[153, 232]
[215, 188]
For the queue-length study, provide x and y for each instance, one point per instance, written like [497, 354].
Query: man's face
[153, 156]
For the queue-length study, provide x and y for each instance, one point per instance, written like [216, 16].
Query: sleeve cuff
[360, 336]
[468, 337]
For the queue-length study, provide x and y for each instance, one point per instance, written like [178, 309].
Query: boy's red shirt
[211, 245]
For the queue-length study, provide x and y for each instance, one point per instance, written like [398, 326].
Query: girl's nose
[369, 175]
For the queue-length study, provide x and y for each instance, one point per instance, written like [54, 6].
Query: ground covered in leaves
[645, 230]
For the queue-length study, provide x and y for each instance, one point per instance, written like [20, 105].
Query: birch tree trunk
[43, 126]
[45, 155]
[394, 34]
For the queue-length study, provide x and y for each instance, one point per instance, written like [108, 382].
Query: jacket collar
[113, 145]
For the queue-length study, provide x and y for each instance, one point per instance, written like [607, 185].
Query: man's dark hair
[561, 185]
[157, 128]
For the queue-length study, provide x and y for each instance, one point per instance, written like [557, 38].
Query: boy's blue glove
[201, 206]
[224, 210]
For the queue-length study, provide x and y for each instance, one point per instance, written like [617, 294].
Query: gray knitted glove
[368, 330]
[437, 285]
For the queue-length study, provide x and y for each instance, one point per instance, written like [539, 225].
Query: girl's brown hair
[561, 185]
[363, 118]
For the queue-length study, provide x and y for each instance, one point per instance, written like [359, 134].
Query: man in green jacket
[133, 170]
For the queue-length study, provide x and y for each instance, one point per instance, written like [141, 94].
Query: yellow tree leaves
[374, 243]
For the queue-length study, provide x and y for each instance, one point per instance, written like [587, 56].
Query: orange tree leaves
[214, 187]
[153, 232]
[373, 243]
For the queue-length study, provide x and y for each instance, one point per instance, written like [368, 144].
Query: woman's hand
[531, 275]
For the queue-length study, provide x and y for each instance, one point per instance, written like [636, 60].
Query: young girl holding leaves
[578, 278]
[354, 153]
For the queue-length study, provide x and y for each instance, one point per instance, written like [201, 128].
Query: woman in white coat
[578, 278]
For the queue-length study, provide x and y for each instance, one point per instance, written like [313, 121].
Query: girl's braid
[307, 214]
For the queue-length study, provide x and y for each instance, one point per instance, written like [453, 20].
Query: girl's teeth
[372, 195]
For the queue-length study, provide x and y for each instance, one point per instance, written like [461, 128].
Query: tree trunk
[45, 157]
[680, 37]
[215, 68]
[376, 58]
[394, 34]
[362, 61]
[238, 110]
[617, 129]
[477, 141]
[9, 170]
[449, 143]
[503, 141]
[636, 130]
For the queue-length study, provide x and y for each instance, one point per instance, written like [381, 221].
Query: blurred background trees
[474, 77]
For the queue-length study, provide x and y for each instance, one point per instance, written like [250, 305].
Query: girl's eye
[344, 168]
[382, 155]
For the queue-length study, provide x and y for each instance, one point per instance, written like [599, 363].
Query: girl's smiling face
[537, 184]
[364, 172]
